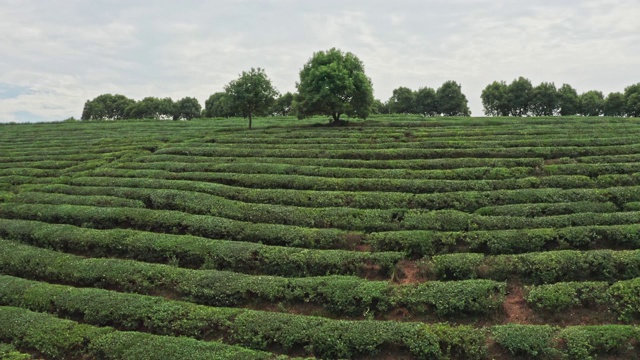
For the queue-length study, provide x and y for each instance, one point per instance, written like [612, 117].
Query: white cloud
[66, 52]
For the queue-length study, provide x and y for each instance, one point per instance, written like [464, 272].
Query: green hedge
[174, 222]
[337, 294]
[548, 209]
[260, 330]
[469, 173]
[63, 339]
[415, 186]
[199, 253]
[537, 267]
[415, 164]
[559, 297]
[419, 243]
[552, 152]
[462, 201]
[55, 199]
[530, 341]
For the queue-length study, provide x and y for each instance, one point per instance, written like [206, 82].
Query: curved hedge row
[418, 243]
[468, 201]
[622, 297]
[63, 339]
[302, 182]
[415, 164]
[58, 199]
[551, 152]
[547, 209]
[537, 267]
[255, 329]
[343, 295]
[199, 253]
[468, 173]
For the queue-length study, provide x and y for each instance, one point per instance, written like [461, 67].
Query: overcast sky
[54, 54]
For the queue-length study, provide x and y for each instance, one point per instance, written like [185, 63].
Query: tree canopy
[186, 108]
[334, 83]
[218, 105]
[495, 99]
[106, 107]
[251, 94]
[451, 101]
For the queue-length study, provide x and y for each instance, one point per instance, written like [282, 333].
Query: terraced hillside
[392, 238]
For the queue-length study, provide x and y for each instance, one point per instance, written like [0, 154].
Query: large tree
[218, 105]
[282, 105]
[186, 108]
[632, 98]
[592, 103]
[451, 101]
[251, 94]
[402, 101]
[520, 92]
[544, 99]
[615, 104]
[495, 99]
[426, 102]
[151, 108]
[334, 83]
[568, 100]
[106, 107]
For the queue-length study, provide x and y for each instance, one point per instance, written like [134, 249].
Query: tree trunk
[336, 117]
[249, 121]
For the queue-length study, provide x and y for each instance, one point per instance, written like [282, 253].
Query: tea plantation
[393, 238]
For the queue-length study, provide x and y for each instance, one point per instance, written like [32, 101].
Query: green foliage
[495, 99]
[632, 97]
[334, 83]
[151, 108]
[615, 104]
[563, 296]
[585, 342]
[218, 105]
[626, 299]
[107, 107]
[187, 108]
[544, 100]
[568, 100]
[456, 266]
[402, 101]
[451, 101]
[519, 95]
[251, 94]
[531, 341]
[592, 103]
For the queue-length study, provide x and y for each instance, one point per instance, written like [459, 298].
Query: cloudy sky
[55, 54]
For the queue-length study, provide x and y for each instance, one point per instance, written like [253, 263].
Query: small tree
[251, 94]
[333, 83]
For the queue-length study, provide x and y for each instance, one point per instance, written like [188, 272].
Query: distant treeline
[116, 107]
[521, 98]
